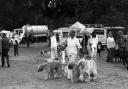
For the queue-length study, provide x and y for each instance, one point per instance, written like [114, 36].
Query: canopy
[77, 26]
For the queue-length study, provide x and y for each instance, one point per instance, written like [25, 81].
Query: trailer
[38, 32]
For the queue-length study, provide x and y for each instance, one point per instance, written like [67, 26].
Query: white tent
[77, 26]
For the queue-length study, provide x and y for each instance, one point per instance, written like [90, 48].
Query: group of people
[117, 48]
[74, 48]
[88, 46]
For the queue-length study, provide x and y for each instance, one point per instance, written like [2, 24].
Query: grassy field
[23, 73]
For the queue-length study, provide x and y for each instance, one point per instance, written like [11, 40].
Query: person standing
[110, 46]
[94, 42]
[14, 41]
[89, 45]
[73, 47]
[121, 42]
[5, 50]
[27, 39]
[84, 44]
[0, 45]
[53, 46]
[126, 53]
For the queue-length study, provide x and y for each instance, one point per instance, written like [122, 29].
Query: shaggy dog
[88, 69]
[75, 72]
[52, 68]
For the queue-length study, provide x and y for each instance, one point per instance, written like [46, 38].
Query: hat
[72, 32]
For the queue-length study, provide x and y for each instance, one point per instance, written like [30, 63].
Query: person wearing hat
[73, 47]
[53, 46]
[5, 50]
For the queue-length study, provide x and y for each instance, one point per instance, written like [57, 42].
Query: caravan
[101, 34]
[39, 32]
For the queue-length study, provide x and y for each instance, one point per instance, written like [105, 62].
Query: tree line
[16, 13]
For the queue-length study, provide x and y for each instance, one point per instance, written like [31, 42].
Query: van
[115, 30]
[101, 34]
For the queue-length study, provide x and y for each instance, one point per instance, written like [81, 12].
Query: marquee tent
[77, 26]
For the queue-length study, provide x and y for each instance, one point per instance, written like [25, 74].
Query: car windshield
[99, 32]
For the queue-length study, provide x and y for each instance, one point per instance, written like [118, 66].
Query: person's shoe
[2, 66]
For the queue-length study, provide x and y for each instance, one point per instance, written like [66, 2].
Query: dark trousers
[28, 43]
[123, 56]
[5, 55]
[15, 50]
[110, 55]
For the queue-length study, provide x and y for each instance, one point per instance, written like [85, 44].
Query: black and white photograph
[63, 44]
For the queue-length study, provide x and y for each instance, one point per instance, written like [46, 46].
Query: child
[99, 47]
[14, 41]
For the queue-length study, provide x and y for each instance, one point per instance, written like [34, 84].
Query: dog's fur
[44, 52]
[52, 68]
[88, 70]
[75, 72]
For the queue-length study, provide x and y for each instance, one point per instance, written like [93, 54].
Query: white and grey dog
[88, 69]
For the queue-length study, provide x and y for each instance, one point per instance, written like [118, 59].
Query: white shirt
[13, 41]
[73, 45]
[110, 42]
[94, 42]
[53, 42]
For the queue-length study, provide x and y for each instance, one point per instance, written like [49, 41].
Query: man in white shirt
[53, 46]
[73, 46]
